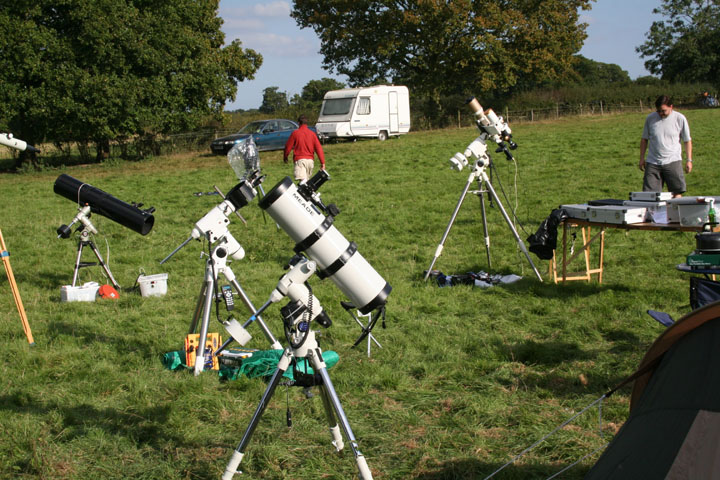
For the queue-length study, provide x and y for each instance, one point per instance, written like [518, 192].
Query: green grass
[467, 377]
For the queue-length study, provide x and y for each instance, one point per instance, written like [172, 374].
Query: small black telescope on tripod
[130, 216]
[93, 200]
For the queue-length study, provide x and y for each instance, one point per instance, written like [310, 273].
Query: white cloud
[273, 9]
[279, 45]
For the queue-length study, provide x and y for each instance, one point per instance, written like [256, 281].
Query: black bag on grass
[544, 241]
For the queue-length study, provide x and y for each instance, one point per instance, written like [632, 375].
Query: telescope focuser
[309, 191]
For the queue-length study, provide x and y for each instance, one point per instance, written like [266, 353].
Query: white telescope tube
[8, 140]
[336, 257]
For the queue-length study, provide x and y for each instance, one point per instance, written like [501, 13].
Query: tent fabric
[677, 388]
[666, 340]
[699, 456]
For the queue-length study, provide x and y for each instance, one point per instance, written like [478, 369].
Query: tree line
[128, 71]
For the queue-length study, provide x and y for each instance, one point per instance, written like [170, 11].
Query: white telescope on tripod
[8, 140]
[213, 226]
[297, 210]
[492, 128]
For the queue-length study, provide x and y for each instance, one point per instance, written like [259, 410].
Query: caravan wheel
[383, 135]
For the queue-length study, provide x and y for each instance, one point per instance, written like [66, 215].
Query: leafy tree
[273, 100]
[315, 90]
[446, 47]
[686, 45]
[594, 73]
[313, 93]
[649, 80]
[93, 71]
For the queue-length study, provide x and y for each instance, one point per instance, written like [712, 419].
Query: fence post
[557, 111]
[601, 108]
[532, 115]
[458, 118]
[507, 114]
[641, 106]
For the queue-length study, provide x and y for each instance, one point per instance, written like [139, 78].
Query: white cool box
[83, 293]
[153, 285]
[150, 286]
[693, 211]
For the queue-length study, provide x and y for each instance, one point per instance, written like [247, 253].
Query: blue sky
[290, 58]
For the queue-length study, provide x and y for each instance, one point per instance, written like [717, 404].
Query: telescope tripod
[85, 241]
[478, 173]
[310, 351]
[217, 265]
[5, 255]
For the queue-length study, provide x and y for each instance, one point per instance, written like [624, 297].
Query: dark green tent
[673, 430]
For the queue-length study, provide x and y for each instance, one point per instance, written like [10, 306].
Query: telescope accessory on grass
[299, 211]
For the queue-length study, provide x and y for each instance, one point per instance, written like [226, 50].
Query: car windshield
[253, 127]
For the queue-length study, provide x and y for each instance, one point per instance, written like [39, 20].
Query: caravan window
[337, 106]
[363, 107]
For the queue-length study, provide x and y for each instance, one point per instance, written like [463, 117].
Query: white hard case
[620, 215]
[650, 196]
[577, 210]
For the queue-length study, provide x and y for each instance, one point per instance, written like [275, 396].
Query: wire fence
[565, 110]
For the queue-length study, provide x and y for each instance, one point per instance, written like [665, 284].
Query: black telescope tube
[104, 204]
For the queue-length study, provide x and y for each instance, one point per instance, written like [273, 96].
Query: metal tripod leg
[274, 343]
[484, 221]
[439, 249]
[103, 264]
[337, 439]
[77, 262]
[81, 245]
[239, 453]
[320, 367]
[510, 224]
[198, 308]
[203, 309]
[332, 407]
[207, 307]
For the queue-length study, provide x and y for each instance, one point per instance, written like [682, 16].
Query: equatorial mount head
[83, 218]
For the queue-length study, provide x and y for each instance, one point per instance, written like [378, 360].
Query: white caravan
[379, 111]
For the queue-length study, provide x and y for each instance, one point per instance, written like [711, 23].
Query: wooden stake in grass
[16, 293]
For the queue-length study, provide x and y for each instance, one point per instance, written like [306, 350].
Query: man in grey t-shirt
[663, 131]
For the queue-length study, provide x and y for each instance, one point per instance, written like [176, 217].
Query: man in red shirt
[305, 146]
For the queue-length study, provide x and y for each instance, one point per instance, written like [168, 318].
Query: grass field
[467, 377]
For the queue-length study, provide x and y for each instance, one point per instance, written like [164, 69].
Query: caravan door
[393, 109]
